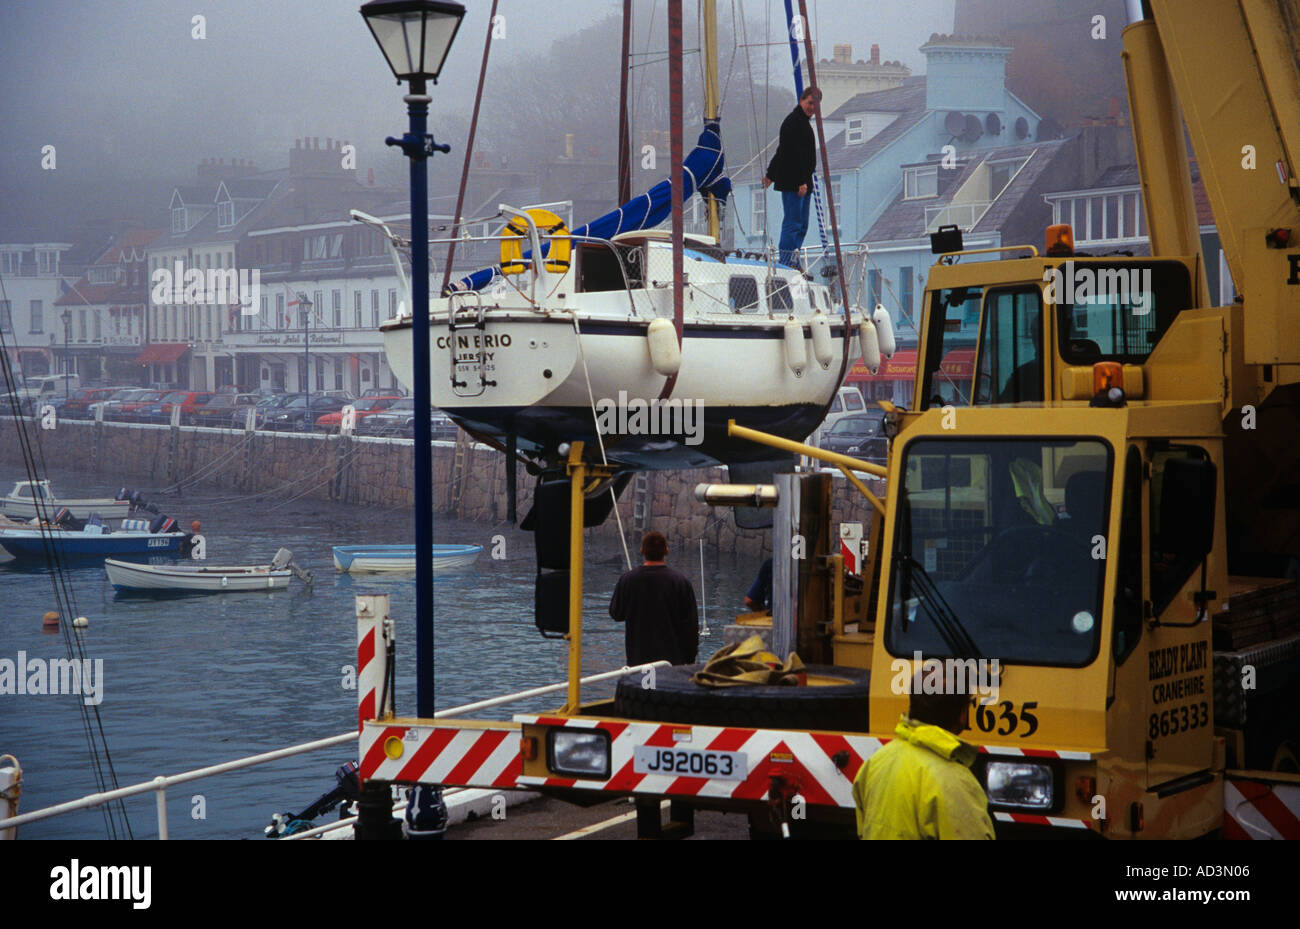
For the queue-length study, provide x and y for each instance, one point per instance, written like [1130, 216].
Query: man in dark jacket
[658, 607]
[791, 172]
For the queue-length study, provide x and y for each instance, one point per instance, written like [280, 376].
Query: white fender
[820, 327]
[665, 353]
[884, 330]
[869, 345]
[796, 353]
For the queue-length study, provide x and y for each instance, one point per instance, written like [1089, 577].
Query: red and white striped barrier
[487, 754]
[373, 628]
[1259, 810]
[469, 756]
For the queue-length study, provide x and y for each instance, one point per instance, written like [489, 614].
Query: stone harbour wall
[378, 472]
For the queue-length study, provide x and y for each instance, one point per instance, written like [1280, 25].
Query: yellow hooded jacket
[919, 786]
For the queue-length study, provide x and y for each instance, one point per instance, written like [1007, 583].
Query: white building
[32, 329]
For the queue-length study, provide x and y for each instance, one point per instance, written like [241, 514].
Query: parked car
[859, 435]
[40, 389]
[112, 404]
[293, 416]
[161, 412]
[130, 410]
[78, 405]
[265, 405]
[383, 392]
[399, 420]
[215, 412]
[365, 407]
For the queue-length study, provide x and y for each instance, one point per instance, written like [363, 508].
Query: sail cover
[704, 169]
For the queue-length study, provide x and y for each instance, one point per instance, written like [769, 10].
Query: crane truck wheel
[835, 698]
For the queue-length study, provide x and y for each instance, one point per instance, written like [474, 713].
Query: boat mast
[710, 9]
[624, 142]
[830, 199]
[675, 147]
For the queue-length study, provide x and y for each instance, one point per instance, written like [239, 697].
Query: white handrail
[160, 783]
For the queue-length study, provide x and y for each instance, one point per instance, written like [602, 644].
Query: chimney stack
[843, 54]
[875, 54]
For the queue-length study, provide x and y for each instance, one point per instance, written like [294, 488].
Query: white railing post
[372, 629]
[160, 783]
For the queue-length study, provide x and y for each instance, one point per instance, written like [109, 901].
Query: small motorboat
[197, 577]
[386, 559]
[138, 538]
[30, 499]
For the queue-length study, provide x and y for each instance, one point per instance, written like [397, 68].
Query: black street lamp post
[66, 316]
[415, 36]
[304, 307]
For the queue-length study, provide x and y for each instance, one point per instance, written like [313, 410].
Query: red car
[129, 408]
[364, 407]
[78, 405]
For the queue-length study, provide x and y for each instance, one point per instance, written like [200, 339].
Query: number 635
[988, 719]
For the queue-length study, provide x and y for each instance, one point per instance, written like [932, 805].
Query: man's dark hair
[810, 91]
[654, 546]
[941, 709]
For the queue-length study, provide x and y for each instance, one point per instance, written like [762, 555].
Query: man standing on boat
[657, 606]
[791, 172]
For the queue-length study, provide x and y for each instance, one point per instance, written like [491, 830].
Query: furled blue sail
[704, 169]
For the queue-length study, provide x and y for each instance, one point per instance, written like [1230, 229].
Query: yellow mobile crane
[1101, 514]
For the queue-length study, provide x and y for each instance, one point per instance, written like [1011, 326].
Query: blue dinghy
[385, 559]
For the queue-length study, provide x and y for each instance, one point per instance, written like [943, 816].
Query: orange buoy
[194, 526]
[50, 620]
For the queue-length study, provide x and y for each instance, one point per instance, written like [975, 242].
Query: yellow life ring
[549, 226]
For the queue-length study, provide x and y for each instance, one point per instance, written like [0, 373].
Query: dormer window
[854, 130]
[178, 219]
[1000, 175]
[921, 182]
[225, 214]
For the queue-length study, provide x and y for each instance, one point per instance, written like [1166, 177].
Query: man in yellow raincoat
[919, 786]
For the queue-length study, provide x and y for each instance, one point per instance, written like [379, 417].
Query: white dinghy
[196, 577]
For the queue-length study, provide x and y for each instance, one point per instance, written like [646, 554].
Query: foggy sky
[125, 93]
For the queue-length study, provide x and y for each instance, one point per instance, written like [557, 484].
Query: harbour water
[202, 680]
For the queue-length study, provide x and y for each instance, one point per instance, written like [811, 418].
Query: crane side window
[1009, 364]
[953, 321]
[1112, 312]
[1128, 592]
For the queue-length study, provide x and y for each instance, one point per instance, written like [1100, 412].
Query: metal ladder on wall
[641, 502]
[458, 468]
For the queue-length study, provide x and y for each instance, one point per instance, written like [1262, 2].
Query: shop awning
[162, 353]
[958, 363]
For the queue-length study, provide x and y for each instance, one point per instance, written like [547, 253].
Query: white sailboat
[573, 336]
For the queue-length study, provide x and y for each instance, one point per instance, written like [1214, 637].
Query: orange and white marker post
[374, 632]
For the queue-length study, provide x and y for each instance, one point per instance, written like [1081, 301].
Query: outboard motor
[65, 520]
[126, 493]
[162, 524]
[346, 791]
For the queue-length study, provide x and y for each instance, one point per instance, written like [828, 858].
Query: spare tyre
[835, 699]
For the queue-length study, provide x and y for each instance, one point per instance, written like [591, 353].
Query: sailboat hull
[537, 378]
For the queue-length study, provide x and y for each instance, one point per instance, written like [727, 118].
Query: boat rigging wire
[600, 439]
[64, 601]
